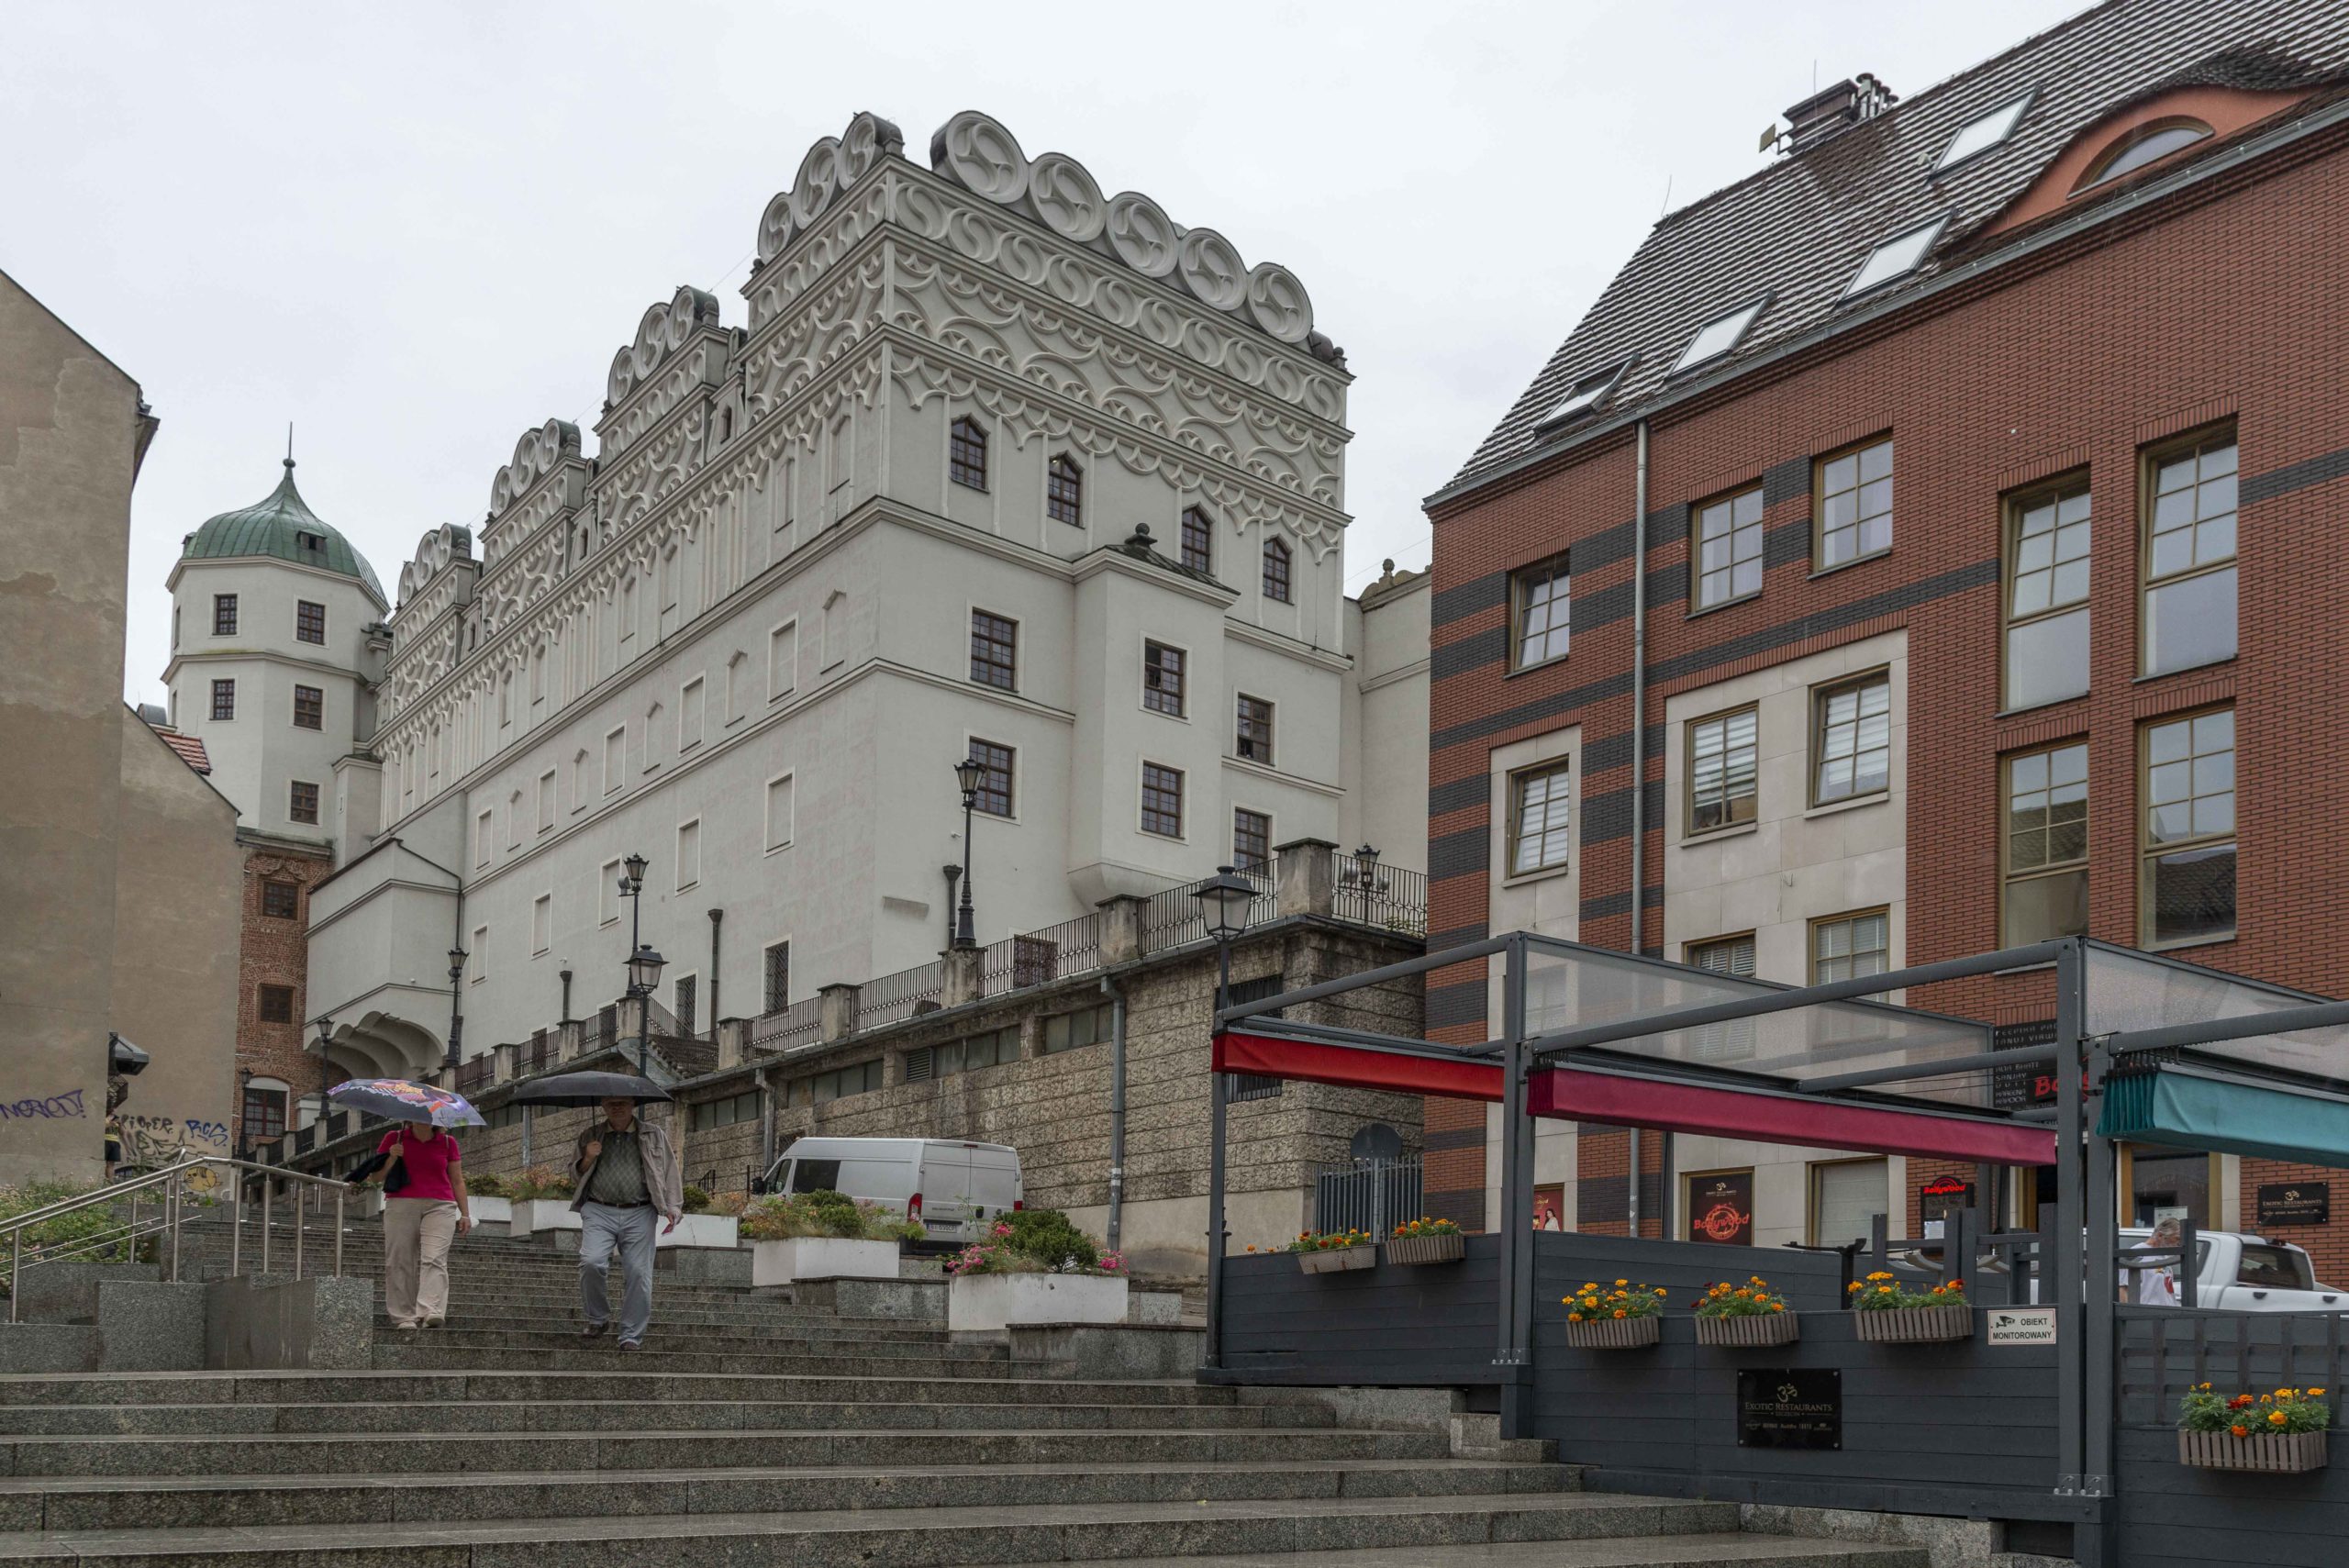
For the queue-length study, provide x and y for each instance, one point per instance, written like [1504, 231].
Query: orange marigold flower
[2240, 1431]
[2277, 1418]
[1620, 1313]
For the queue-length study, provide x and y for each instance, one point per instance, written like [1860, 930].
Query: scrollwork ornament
[978, 154]
[1141, 234]
[1064, 195]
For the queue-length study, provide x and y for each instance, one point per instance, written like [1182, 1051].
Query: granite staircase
[751, 1428]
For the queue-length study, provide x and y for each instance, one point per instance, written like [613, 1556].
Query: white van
[954, 1189]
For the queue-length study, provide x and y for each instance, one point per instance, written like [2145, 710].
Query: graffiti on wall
[44, 1107]
[161, 1140]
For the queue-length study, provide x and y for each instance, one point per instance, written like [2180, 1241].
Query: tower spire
[289, 445]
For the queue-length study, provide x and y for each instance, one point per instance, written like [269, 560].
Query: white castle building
[998, 466]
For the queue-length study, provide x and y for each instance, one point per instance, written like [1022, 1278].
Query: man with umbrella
[627, 1174]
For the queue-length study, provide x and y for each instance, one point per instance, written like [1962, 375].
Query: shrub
[2286, 1410]
[1050, 1246]
[79, 1229]
[695, 1199]
[489, 1184]
[1592, 1305]
[1754, 1299]
[541, 1182]
[782, 1217]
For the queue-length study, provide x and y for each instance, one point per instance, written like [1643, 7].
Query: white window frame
[790, 783]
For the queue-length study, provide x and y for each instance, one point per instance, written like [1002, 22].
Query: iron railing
[1173, 919]
[541, 1051]
[1371, 893]
[1368, 1195]
[174, 1190]
[899, 996]
[788, 1028]
[1038, 957]
[475, 1076]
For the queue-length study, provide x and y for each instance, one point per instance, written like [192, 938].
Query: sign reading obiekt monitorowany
[2022, 1326]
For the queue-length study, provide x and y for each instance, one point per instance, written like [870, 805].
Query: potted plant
[1033, 1266]
[1426, 1241]
[823, 1235]
[699, 1227]
[1622, 1318]
[1334, 1251]
[489, 1197]
[1748, 1314]
[1890, 1313]
[541, 1201]
[2278, 1433]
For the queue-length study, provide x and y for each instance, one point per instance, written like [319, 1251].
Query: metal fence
[900, 995]
[1368, 1195]
[1038, 957]
[475, 1076]
[1371, 893]
[1173, 919]
[788, 1028]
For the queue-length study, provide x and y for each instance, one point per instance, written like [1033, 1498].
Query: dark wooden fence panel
[1428, 1326]
[2174, 1515]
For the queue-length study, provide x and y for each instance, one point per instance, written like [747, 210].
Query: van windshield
[816, 1176]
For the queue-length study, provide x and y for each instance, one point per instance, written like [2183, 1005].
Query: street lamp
[969, 773]
[1224, 903]
[456, 1014]
[325, 1074]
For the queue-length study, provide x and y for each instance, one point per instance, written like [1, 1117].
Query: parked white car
[2245, 1274]
[954, 1189]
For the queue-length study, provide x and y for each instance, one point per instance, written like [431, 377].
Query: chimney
[1825, 112]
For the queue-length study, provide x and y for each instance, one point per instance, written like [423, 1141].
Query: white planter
[987, 1303]
[821, 1257]
[699, 1231]
[490, 1210]
[528, 1215]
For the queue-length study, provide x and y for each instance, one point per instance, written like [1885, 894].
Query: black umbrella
[587, 1089]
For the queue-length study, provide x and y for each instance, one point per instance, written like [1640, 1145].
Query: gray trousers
[632, 1230]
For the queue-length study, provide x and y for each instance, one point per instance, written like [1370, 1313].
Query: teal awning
[2194, 1110]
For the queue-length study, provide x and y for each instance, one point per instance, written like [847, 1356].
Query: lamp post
[456, 1052]
[1224, 905]
[643, 964]
[325, 1074]
[969, 773]
[244, 1099]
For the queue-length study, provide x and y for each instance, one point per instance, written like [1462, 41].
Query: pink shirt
[427, 1163]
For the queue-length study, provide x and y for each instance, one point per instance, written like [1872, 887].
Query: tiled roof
[1798, 230]
[190, 749]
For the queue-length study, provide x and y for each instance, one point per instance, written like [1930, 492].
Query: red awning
[1573, 1095]
[1313, 1062]
[1629, 1101]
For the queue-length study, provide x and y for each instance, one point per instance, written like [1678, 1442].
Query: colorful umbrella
[396, 1099]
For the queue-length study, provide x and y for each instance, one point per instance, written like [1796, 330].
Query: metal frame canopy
[1599, 1035]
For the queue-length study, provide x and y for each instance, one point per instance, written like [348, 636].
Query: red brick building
[1996, 454]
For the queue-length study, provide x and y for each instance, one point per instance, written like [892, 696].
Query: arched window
[1198, 540]
[1065, 491]
[2148, 143]
[1277, 571]
[966, 452]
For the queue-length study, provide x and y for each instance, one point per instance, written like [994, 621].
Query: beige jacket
[664, 1180]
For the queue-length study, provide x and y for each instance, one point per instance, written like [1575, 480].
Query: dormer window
[1895, 258]
[1718, 337]
[2146, 144]
[1585, 396]
[1979, 135]
[309, 540]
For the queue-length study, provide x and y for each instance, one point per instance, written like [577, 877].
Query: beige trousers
[417, 1234]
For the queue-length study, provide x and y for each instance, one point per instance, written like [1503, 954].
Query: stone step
[822, 1331]
[671, 1353]
[156, 1503]
[637, 1379]
[863, 1538]
[668, 1415]
[702, 1338]
[1721, 1550]
[391, 1453]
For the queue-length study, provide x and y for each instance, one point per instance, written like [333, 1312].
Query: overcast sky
[416, 229]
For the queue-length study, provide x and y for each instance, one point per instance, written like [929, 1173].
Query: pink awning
[1269, 1056]
[1571, 1094]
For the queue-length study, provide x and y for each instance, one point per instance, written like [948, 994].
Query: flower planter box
[533, 1214]
[2274, 1452]
[821, 1257]
[991, 1303]
[1413, 1249]
[1916, 1325]
[1767, 1328]
[718, 1230]
[490, 1210]
[1338, 1260]
[1615, 1333]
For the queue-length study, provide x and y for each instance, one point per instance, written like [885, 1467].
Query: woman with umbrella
[425, 1208]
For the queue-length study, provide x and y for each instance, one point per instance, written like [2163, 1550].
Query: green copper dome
[283, 525]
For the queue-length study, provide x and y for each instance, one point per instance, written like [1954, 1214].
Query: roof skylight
[1983, 134]
[1896, 257]
[1584, 395]
[1718, 338]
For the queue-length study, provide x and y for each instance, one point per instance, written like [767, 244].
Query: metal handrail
[173, 1181]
